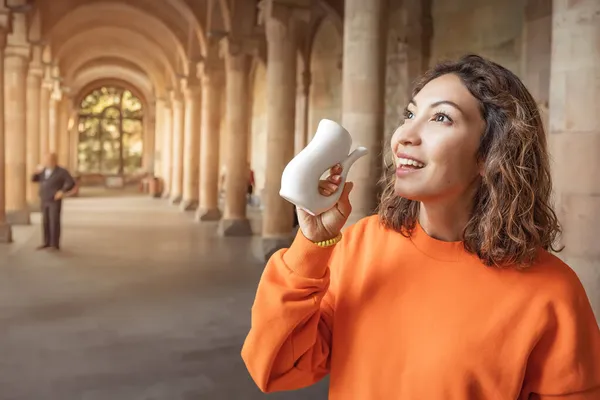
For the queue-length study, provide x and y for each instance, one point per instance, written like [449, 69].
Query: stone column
[34, 157]
[167, 132]
[64, 145]
[281, 30]
[5, 229]
[300, 136]
[74, 140]
[16, 62]
[237, 63]
[191, 152]
[575, 136]
[45, 95]
[149, 144]
[53, 122]
[158, 135]
[362, 97]
[177, 150]
[210, 123]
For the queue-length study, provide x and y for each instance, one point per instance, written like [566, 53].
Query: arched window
[110, 132]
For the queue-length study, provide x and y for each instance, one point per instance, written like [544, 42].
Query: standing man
[55, 184]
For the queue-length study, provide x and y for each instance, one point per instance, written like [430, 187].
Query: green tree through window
[110, 132]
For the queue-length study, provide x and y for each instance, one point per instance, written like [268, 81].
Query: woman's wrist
[329, 242]
[323, 240]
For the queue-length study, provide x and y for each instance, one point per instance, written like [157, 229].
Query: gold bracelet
[330, 242]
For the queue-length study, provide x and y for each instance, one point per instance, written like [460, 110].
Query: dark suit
[59, 180]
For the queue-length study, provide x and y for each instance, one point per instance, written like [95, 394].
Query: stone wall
[491, 28]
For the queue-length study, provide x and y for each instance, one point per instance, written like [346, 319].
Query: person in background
[56, 183]
[251, 183]
[451, 291]
[222, 179]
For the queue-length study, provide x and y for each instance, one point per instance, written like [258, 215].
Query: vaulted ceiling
[151, 44]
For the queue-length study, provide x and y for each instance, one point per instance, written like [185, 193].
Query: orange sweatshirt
[420, 319]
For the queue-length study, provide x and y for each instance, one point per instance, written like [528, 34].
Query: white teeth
[406, 161]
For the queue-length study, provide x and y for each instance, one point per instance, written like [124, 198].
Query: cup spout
[352, 158]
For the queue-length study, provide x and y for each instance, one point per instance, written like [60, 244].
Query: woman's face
[435, 150]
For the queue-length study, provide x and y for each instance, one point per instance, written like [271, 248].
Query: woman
[450, 292]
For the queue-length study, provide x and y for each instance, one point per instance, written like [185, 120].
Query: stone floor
[141, 304]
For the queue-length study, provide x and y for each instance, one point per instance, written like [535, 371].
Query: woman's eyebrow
[437, 103]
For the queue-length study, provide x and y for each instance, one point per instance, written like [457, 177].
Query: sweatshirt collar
[437, 249]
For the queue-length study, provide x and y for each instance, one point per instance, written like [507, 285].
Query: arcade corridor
[141, 303]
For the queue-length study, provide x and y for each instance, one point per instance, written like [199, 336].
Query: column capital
[47, 84]
[210, 76]
[67, 93]
[36, 71]
[191, 80]
[190, 89]
[284, 11]
[18, 50]
[17, 43]
[252, 45]
[160, 100]
[175, 97]
[211, 62]
[55, 96]
[5, 24]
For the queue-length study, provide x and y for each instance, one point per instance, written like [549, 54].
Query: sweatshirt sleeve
[565, 363]
[288, 346]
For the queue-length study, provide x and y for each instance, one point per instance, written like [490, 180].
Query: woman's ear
[481, 167]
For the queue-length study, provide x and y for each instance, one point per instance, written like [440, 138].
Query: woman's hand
[329, 224]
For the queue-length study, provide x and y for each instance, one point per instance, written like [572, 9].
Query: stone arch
[325, 95]
[100, 36]
[123, 18]
[258, 124]
[94, 75]
[138, 57]
[333, 10]
[97, 83]
[186, 12]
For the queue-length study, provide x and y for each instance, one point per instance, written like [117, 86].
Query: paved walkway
[141, 304]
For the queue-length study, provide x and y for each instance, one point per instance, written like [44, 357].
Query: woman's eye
[443, 118]
[408, 115]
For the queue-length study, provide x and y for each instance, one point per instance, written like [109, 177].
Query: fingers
[328, 186]
[344, 202]
[335, 170]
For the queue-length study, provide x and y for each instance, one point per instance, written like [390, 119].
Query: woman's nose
[407, 135]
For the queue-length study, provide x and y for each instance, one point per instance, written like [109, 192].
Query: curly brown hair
[512, 216]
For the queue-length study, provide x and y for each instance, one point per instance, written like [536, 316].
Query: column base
[5, 233]
[212, 214]
[189, 205]
[272, 245]
[18, 217]
[175, 200]
[34, 207]
[235, 227]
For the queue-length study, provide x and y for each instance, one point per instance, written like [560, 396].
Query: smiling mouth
[406, 163]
